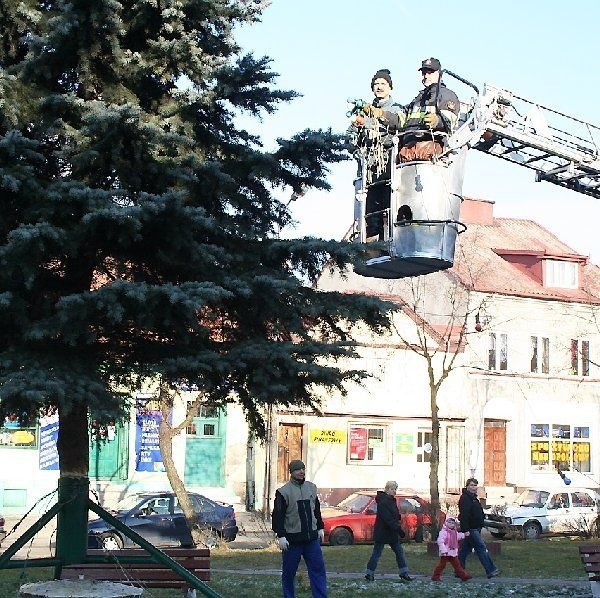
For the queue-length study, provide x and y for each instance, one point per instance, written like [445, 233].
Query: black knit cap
[382, 74]
[295, 465]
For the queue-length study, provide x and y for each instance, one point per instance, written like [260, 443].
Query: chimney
[477, 211]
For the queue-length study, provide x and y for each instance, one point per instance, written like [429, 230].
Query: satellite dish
[427, 447]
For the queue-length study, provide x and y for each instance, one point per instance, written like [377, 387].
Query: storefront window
[561, 450]
[16, 432]
[369, 444]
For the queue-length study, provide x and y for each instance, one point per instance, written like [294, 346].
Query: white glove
[321, 533]
[283, 543]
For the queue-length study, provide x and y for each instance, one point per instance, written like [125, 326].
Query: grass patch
[555, 558]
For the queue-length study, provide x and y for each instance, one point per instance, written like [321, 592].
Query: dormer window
[561, 274]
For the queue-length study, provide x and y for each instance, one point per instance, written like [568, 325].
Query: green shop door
[108, 451]
[205, 449]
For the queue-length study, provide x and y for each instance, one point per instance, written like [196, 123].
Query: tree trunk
[73, 485]
[166, 433]
[434, 465]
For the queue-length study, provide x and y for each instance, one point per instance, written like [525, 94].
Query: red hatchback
[352, 521]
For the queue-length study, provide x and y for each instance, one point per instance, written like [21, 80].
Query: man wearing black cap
[296, 519]
[374, 138]
[427, 120]
[431, 116]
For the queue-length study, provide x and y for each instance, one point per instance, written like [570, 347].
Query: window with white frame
[561, 274]
[498, 352]
[540, 354]
[424, 438]
[369, 444]
[580, 357]
[560, 446]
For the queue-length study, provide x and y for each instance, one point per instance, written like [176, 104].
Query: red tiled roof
[502, 255]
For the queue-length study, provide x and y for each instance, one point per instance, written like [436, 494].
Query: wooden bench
[590, 557]
[114, 566]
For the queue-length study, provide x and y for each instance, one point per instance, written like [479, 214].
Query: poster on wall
[48, 437]
[358, 443]
[147, 450]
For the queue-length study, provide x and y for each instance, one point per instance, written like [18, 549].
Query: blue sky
[545, 51]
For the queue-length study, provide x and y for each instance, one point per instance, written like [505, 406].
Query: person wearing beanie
[448, 540]
[373, 137]
[297, 521]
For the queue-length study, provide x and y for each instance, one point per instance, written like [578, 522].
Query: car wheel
[111, 541]
[532, 530]
[341, 537]
[498, 534]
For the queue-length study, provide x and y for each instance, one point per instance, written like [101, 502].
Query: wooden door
[289, 447]
[495, 454]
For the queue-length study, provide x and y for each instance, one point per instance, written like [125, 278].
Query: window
[540, 354]
[369, 444]
[424, 438]
[580, 357]
[498, 352]
[561, 274]
[18, 432]
[553, 447]
[582, 499]
[206, 423]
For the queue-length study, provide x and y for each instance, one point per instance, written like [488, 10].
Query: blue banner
[147, 450]
[48, 438]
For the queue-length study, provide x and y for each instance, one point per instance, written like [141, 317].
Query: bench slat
[151, 574]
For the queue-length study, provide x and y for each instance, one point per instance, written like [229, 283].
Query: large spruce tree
[138, 224]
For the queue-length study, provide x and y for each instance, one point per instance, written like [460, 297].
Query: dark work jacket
[297, 512]
[387, 522]
[436, 99]
[470, 511]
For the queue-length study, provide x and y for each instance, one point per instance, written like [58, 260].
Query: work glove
[358, 120]
[431, 120]
[372, 111]
[283, 543]
[321, 534]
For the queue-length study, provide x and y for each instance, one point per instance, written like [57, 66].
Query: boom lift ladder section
[561, 149]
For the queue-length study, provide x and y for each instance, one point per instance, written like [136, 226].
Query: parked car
[353, 519]
[158, 518]
[538, 511]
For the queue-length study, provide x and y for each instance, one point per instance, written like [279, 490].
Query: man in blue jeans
[297, 521]
[387, 531]
[471, 520]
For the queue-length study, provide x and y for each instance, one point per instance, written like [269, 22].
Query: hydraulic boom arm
[561, 149]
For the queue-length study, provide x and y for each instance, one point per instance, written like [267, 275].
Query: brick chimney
[477, 211]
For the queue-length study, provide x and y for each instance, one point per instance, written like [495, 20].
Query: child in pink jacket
[448, 539]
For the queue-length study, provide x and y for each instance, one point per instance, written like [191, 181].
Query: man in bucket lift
[428, 119]
[374, 137]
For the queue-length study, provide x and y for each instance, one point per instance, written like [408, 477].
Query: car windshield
[127, 503]
[355, 503]
[532, 498]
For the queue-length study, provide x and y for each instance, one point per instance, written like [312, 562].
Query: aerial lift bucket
[422, 222]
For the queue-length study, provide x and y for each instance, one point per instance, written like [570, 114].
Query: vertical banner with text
[147, 451]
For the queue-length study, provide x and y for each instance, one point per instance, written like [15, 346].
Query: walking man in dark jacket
[387, 531]
[471, 520]
[297, 521]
